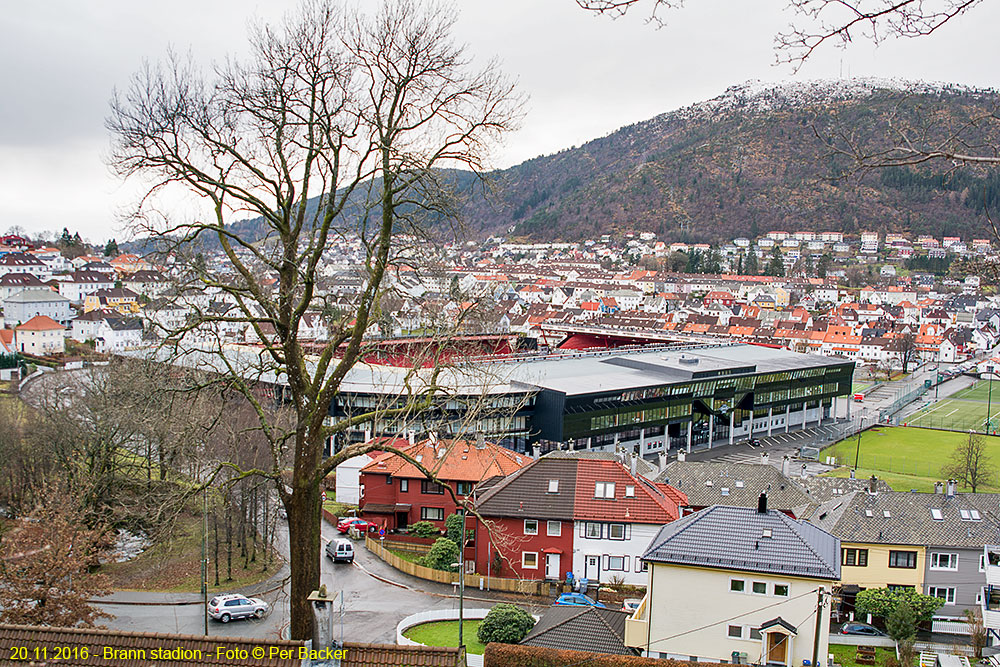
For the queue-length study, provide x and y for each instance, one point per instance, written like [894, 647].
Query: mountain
[750, 161]
[746, 162]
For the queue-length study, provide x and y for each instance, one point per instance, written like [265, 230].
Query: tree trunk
[303, 530]
[215, 526]
[229, 542]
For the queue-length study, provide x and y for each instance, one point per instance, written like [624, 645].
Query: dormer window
[630, 491]
[965, 515]
[553, 486]
[604, 490]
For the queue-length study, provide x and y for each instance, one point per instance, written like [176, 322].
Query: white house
[40, 335]
[79, 284]
[116, 334]
[738, 581]
[26, 304]
[349, 478]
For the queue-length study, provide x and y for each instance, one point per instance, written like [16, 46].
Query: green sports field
[964, 411]
[906, 458]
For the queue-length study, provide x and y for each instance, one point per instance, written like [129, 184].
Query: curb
[272, 586]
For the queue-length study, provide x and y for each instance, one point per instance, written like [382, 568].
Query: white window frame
[951, 557]
[524, 564]
[788, 589]
[404, 486]
[742, 581]
[630, 491]
[729, 632]
[604, 490]
[753, 583]
[949, 593]
[611, 528]
[425, 514]
[553, 533]
[624, 564]
[530, 532]
[553, 486]
[982, 562]
[586, 530]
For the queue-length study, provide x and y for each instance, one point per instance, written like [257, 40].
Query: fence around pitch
[471, 580]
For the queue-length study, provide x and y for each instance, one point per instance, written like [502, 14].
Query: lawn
[445, 633]
[906, 458]
[407, 555]
[843, 654]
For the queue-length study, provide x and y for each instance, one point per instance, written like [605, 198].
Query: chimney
[873, 485]
[786, 462]
[852, 473]
[762, 504]
[681, 455]
[662, 461]
[536, 452]
[764, 458]
[480, 441]
[322, 608]
[411, 436]
[951, 488]
[938, 487]
[433, 437]
[368, 434]
[802, 472]
[633, 461]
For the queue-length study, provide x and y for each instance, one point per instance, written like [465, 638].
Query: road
[372, 607]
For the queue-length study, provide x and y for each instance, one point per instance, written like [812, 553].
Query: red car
[345, 525]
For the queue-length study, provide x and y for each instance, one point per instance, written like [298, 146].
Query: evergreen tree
[77, 241]
[823, 266]
[750, 266]
[66, 239]
[807, 266]
[739, 264]
[693, 262]
[111, 248]
[775, 267]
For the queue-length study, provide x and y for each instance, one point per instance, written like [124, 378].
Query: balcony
[636, 625]
[990, 607]
[992, 560]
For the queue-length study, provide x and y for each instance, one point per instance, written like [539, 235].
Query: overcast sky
[585, 76]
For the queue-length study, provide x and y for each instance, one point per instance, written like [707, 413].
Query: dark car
[861, 629]
[577, 600]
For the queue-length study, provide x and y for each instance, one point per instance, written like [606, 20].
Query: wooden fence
[528, 587]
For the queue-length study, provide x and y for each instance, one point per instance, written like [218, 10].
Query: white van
[340, 550]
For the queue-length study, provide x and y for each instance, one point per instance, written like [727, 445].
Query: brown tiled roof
[40, 323]
[450, 460]
[525, 493]
[201, 649]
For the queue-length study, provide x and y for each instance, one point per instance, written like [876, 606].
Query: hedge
[516, 655]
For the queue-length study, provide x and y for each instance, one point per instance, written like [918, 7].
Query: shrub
[506, 624]
[424, 529]
[443, 553]
[882, 601]
[453, 528]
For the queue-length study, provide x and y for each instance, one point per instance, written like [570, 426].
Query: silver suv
[225, 607]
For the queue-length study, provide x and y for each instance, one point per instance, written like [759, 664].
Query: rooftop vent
[688, 360]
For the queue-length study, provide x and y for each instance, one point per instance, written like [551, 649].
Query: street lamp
[861, 424]
[461, 581]
[989, 399]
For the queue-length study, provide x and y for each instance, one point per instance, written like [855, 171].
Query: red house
[587, 514]
[395, 493]
[715, 296]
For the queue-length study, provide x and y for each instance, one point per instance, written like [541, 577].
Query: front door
[552, 566]
[777, 648]
[593, 569]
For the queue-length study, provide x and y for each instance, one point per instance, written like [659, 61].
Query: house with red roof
[41, 335]
[588, 515]
[395, 493]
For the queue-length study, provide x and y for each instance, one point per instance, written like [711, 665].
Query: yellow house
[869, 565]
[737, 582]
[125, 301]
[781, 297]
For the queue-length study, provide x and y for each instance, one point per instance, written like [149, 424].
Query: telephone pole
[819, 625]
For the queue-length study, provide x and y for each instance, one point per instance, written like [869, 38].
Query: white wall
[638, 536]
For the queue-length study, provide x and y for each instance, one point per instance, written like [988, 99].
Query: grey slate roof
[821, 489]
[642, 466]
[532, 498]
[568, 627]
[703, 483]
[732, 538]
[910, 521]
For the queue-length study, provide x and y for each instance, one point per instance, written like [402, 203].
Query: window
[553, 486]
[428, 486]
[604, 489]
[946, 594]
[755, 633]
[982, 562]
[616, 563]
[965, 515]
[630, 491]
[858, 557]
[735, 631]
[529, 560]
[531, 526]
[737, 585]
[936, 514]
[616, 531]
[906, 559]
[944, 561]
[759, 588]
[553, 528]
[463, 488]
[641, 565]
[404, 485]
[781, 590]
[432, 513]
[593, 530]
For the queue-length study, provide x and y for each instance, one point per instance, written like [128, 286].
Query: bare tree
[361, 112]
[971, 463]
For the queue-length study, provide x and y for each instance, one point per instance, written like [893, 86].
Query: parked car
[861, 629]
[345, 525]
[227, 607]
[340, 550]
[578, 600]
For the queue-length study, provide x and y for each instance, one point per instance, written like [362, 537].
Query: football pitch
[976, 408]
